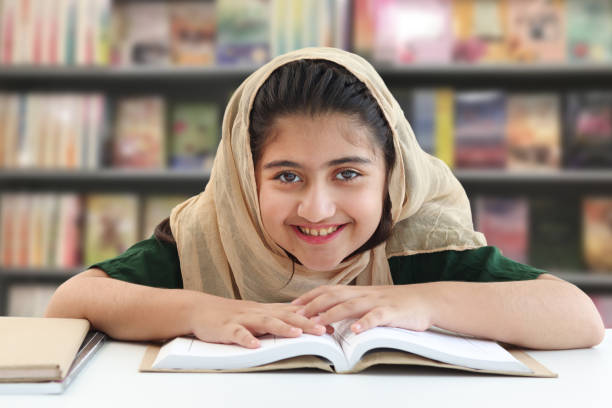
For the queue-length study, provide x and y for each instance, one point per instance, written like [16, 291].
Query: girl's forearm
[538, 314]
[124, 310]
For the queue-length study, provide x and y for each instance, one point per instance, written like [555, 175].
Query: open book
[346, 352]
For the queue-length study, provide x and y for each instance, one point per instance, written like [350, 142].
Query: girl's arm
[544, 313]
[135, 312]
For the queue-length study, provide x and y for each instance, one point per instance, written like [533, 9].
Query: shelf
[132, 72]
[194, 181]
[515, 76]
[105, 180]
[537, 177]
[588, 281]
[51, 274]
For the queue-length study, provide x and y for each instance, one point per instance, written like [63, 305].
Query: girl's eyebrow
[331, 163]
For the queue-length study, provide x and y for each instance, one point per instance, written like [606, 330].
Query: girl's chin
[318, 265]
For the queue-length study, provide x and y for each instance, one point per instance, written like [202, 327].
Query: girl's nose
[316, 205]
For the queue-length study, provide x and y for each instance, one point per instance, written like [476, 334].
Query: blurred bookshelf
[136, 68]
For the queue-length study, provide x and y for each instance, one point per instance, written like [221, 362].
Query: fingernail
[356, 327]
[316, 319]
[300, 311]
[320, 328]
[296, 330]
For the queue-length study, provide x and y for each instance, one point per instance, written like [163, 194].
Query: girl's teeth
[315, 233]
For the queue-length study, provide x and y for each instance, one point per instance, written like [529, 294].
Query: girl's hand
[404, 306]
[220, 320]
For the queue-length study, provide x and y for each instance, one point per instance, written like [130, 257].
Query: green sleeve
[485, 264]
[149, 262]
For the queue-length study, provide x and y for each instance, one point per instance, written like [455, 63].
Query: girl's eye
[288, 177]
[347, 175]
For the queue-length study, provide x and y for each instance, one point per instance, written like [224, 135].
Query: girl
[320, 195]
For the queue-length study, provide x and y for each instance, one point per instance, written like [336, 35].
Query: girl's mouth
[318, 235]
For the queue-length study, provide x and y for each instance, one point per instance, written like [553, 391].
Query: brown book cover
[38, 349]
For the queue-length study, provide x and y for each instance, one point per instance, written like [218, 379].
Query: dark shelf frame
[194, 181]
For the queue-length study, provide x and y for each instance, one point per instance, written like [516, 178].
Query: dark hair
[313, 87]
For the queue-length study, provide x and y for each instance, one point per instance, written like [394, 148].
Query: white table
[111, 379]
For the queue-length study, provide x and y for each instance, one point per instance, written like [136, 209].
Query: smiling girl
[320, 196]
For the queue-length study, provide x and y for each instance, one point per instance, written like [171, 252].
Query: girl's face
[321, 184]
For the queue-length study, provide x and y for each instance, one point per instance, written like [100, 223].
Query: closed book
[38, 349]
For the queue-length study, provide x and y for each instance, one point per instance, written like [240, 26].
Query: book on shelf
[61, 32]
[111, 226]
[533, 132]
[480, 33]
[195, 135]
[156, 209]
[29, 299]
[430, 113]
[68, 248]
[423, 118]
[192, 33]
[536, 31]
[345, 352]
[505, 223]
[11, 127]
[597, 233]
[444, 137]
[52, 130]
[589, 32]
[40, 230]
[384, 32]
[139, 140]
[554, 233]
[143, 33]
[588, 141]
[480, 129]
[8, 227]
[364, 27]
[242, 32]
[423, 31]
[46, 353]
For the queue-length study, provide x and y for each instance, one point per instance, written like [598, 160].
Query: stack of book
[482, 31]
[243, 32]
[67, 231]
[59, 32]
[514, 131]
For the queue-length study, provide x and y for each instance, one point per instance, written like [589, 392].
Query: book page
[435, 344]
[189, 353]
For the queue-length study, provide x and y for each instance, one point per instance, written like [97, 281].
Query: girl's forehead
[326, 127]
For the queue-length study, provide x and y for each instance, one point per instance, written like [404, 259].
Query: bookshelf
[353, 26]
[217, 83]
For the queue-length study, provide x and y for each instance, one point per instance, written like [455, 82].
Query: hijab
[225, 251]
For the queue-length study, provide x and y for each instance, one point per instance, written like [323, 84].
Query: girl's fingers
[273, 325]
[242, 336]
[378, 316]
[308, 296]
[351, 309]
[307, 325]
[326, 301]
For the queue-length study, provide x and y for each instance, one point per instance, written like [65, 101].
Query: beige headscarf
[224, 249]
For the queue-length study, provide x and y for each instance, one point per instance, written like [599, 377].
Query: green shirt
[155, 263]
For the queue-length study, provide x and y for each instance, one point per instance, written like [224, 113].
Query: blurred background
[110, 114]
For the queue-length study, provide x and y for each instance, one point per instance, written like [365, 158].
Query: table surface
[112, 377]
